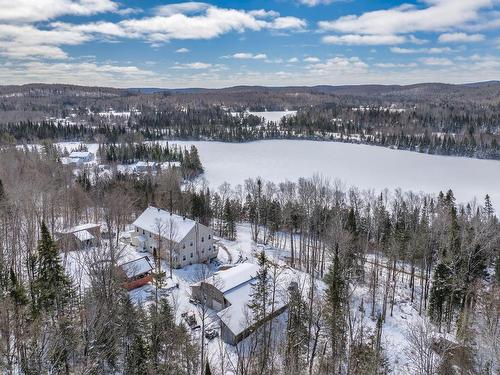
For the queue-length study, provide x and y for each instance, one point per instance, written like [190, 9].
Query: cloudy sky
[143, 43]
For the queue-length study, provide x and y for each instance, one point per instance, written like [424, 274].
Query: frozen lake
[275, 116]
[367, 167]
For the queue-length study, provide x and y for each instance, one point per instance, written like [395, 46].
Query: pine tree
[440, 292]
[296, 333]
[488, 207]
[207, 369]
[336, 309]
[229, 220]
[52, 286]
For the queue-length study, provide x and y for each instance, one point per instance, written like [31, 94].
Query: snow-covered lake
[275, 116]
[367, 167]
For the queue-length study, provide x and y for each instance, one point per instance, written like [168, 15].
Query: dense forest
[431, 118]
[444, 255]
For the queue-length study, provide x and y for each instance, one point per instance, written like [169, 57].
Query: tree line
[445, 254]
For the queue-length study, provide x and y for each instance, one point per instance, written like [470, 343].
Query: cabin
[168, 235]
[81, 156]
[79, 237]
[229, 292]
[136, 273]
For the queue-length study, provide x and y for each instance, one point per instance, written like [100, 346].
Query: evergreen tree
[488, 207]
[296, 332]
[336, 309]
[207, 369]
[52, 286]
[440, 291]
[229, 220]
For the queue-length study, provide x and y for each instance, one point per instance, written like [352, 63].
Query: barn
[136, 273]
[229, 293]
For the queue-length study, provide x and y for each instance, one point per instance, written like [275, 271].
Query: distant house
[80, 236]
[81, 156]
[189, 241]
[136, 273]
[229, 293]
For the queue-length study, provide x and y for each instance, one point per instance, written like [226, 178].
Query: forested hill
[431, 117]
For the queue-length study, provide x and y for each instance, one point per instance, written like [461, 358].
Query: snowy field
[363, 166]
[274, 116]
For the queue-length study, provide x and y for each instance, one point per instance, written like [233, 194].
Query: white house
[229, 292]
[81, 157]
[166, 234]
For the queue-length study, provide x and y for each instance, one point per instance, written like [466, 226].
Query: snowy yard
[243, 249]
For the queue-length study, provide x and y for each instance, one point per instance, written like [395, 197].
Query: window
[191, 255]
[137, 229]
[149, 234]
[202, 239]
[183, 246]
[191, 244]
[143, 232]
[210, 248]
[184, 257]
[209, 236]
[203, 251]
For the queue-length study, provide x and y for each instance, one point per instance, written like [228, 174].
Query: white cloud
[355, 39]
[182, 50]
[287, 23]
[395, 65]
[206, 22]
[312, 59]
[43, 10]
[247, 56]
[26, 41]
[432, 50]
[460, 38]
[191, 20]
[193, 65]
[436, 15]
[338, 65]
[436, 61]
[189, 7]
[313, 3]
[293, 60]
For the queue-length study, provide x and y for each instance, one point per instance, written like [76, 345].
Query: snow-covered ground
[274, 116]
[363, 166]
[243, 249]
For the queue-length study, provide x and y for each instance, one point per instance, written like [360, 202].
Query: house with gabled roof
[229, 292]
[173, 237]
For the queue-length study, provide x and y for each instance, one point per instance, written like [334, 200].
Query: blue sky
[134, 43]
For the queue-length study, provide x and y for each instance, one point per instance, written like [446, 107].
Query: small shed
[136, 273]
[79, 237]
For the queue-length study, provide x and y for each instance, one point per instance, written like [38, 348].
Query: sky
[150, 43]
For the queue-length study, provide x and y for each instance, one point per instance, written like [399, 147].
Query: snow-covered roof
[137, 267]
[83, 235]
[233, 277]
[238, 317]
[80, 154]
[172, 226]
[80, 227]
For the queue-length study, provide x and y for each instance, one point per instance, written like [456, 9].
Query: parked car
[211, 333]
